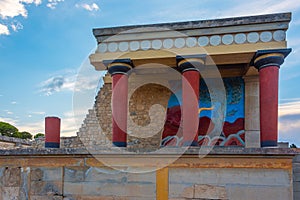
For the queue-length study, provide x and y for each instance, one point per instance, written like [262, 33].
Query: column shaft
[189, 66]
[118, 70]
[190, 115]
[268, 78]
[268, 63]
[119, 109]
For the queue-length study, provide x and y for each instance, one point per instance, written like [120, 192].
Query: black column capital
[118, 66]
[190, 62]
[272, 57]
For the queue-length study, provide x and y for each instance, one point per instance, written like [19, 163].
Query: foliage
[22, 135]
[39, 135]
[7, 129]
[293, 146]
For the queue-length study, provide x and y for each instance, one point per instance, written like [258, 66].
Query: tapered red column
[268, 63]
[52, 132]
[188, 66]
[118, 70]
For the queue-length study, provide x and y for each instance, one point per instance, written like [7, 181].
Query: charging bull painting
[232, 133]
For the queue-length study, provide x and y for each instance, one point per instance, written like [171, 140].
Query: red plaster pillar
[190, 115]
[187, 65]
[268, 63]
[119, 109]
[268, 79]
[118, 70]
[52, 132]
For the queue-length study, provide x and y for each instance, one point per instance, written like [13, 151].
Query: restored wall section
[74, 174]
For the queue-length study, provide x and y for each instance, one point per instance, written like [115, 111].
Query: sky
[45, 44]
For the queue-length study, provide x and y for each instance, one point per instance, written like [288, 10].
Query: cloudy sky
[44, 45]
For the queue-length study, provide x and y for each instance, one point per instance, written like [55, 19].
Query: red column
[52, 132]
[190, 115]
[188, 66]
[268, 79]
[118, 70]
[119, 109]
[268, 63]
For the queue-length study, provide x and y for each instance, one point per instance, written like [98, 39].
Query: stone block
[296, 159]
[72, 188]
[181, 190]
[40, 188]
[75, 174]
[149, 177]
[11, 177]
[10, 193]
[188, 192]
[210, 192]
[53, 174]
[227, 176]
[118, 190]
[296, 186]
[247, 192]
[46, 197]
[296, 177]
[296, 195]
[296, 167]
[105, 174]
[36, 174]
[252, 139]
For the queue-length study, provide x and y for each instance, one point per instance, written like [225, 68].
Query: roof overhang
[228, 43]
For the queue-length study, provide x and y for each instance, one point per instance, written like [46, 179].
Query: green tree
[39, 135]
[7, 129]
[22, 135]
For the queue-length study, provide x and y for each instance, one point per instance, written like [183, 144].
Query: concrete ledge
[164, 151]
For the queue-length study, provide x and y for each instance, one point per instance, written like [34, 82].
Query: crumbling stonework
[147, 103]
[12, 142]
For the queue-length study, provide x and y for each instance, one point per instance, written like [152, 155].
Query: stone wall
[11, 142]
[74, 174]
[65, 142]
[296, 177]
[147, 111]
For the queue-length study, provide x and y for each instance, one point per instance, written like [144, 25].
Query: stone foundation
[74, 174]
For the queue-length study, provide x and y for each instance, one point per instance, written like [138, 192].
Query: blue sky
[44, 45]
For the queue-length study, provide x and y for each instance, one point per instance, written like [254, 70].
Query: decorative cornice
[190, 42]
[190, 62]
[266, 58]
[118, 66]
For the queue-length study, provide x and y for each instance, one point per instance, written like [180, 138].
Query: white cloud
[9, 113]
[16, 26]
[13, 8]
[260, 7]
[8, 120]
[53, 3]
[69, 80]
[4, 30]
[88, 7]
[37, 113]
[13, 102]
[289, 121]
